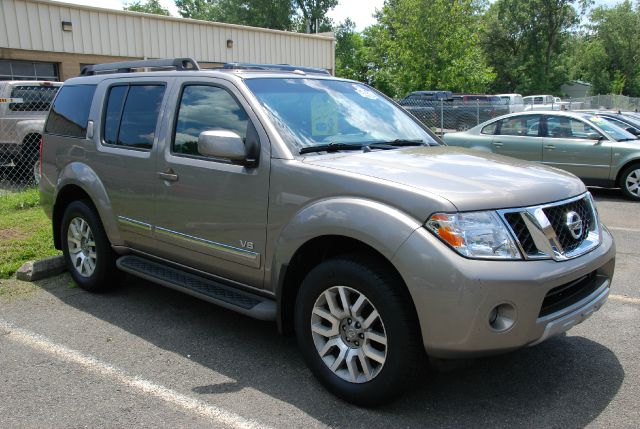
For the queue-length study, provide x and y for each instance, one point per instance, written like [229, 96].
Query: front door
[211, 214]
[573, 145]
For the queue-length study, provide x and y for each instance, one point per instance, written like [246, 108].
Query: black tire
[105, 275]
[384, 291]
[630, 175]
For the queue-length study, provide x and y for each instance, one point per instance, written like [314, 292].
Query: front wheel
[87, 252]
[630, 182]
[357, 330]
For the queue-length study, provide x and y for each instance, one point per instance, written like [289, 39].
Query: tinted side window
[204, 108]
[115, 103]
[70, 111]
[521, 126]
[140, 116]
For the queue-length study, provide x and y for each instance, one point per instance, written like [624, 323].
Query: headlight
[479, 235]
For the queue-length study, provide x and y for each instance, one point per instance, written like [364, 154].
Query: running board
[243, 302]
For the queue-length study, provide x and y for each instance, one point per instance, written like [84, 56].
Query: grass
[25, 231]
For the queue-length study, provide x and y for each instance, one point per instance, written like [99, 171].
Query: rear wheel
[88, 254]
[630, 182]
[357, 330]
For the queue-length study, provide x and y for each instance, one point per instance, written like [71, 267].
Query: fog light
[502, 317]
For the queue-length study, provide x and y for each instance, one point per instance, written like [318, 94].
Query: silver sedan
[589, 146]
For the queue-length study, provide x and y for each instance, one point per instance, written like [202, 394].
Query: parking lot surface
[147, 356]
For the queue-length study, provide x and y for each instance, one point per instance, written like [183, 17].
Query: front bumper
[454, 296]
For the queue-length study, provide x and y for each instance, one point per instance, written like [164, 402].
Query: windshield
[311, 112]
[614, 131]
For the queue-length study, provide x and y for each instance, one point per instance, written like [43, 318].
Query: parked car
[540, 102]
[443, 109]
[23, 109]
[587, 145]
[626, 122]
[514, 101]
[317, 203]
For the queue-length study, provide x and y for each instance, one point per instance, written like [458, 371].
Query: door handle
[498, 144]
[550, 147]
[168, 175]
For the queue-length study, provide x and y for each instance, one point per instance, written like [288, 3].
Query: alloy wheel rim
[632, 182]
[349, 334]
[82, 247]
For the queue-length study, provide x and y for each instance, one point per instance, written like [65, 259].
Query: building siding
[36, 25]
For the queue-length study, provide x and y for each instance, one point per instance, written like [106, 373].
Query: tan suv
[292, 196]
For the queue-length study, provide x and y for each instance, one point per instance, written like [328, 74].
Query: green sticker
[324, 116]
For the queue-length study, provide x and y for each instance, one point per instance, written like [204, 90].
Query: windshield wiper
[405, 142]
[331, 147]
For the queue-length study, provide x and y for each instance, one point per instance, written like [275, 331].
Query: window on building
[28, 70]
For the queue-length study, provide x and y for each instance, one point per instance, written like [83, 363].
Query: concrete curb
[37, 270]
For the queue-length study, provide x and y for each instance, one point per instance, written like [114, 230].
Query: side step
[243, 302]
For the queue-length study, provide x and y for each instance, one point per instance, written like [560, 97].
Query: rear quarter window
[70, 111]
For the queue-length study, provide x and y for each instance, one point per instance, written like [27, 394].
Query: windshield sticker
[365, 92]
[324, 116]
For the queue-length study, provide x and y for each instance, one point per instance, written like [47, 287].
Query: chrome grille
[557, 216]
[542, 232]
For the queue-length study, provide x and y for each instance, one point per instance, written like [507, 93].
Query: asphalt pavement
[147, 356]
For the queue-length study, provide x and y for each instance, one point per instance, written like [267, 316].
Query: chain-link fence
[23, 109]
[459, 113]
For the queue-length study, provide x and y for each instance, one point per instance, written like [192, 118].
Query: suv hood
[470, 180]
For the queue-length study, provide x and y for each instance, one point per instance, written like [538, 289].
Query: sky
[360, 11]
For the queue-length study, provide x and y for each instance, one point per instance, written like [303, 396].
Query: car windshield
[310, 112]
[613, 130]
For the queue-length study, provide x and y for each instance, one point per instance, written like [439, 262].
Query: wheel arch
[78, 181]
[330, 228]
[622, 169]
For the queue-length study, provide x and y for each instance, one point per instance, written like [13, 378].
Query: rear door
[126, 135]
[572, 144]
[519, 137]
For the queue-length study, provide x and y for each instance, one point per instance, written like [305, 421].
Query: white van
[514, 101]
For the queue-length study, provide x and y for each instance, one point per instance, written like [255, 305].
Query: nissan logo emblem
[574, 224]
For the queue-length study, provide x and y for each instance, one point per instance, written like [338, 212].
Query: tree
[428, 44]
[615, 39]
[276, 14]
[150, 6]
[312, 15]
[524, 42]
[351, 55]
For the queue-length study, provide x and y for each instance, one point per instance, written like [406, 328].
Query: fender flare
[81, 175]
[380, 226]
[28, 126]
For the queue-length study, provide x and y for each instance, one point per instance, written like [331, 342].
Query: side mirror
[223, 144]
[594, 136]
[633, 131]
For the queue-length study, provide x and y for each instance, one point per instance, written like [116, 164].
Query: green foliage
[312, 15]
[275, 14]
[150, 6]
[428, 44]
[524, 41]
[351, 55]
[298, 15]
[611, 51]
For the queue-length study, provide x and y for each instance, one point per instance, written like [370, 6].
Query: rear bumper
[454, 297]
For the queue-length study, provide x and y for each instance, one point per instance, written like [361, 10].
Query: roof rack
[179, 64]
[275, 67]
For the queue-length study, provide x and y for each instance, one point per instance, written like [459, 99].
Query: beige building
[49, 40]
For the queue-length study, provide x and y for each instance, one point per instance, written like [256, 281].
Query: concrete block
[37, 270]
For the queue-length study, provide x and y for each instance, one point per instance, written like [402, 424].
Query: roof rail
[179, 64]
[274, 67]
